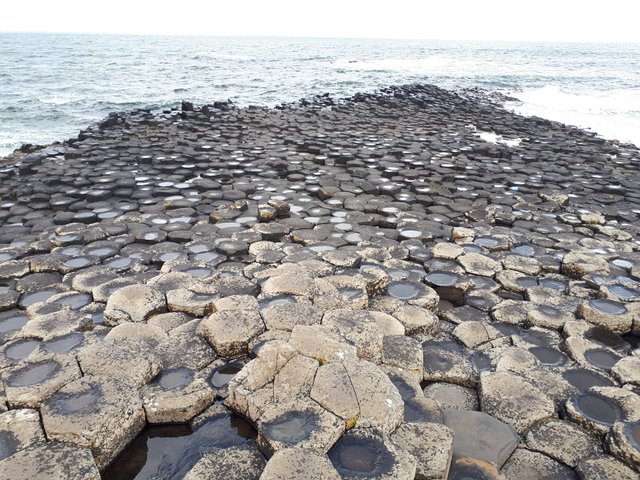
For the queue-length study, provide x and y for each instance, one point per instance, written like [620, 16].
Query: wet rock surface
[334, 288]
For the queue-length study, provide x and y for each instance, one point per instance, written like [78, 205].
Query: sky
[514, 20]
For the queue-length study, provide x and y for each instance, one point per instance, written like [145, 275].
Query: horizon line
[312, 37]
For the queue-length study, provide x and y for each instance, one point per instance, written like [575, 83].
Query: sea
[54, 85]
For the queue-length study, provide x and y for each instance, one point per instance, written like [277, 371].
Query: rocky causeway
[406, 284]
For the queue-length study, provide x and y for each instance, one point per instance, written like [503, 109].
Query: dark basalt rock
[250, 224]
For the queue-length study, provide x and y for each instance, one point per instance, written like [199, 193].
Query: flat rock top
[271, 262]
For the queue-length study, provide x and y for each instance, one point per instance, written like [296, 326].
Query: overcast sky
[541, 20]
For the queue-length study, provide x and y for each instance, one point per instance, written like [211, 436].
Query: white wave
[613, 114]
[426, 65]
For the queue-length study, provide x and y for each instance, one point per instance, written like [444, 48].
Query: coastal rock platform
[412, 283]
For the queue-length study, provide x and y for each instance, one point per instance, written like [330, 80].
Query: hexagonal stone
[526, 404]
[480, 436]
[333, 390]
[99, 413]
[230, 331]
[430, 444]
[185, 347]
[416, 319]
[176, 395]
[473, 333]
[289, 285]
[57, 323]
[360, 328]
[563, 441]
[140, 332]
[579, 263]
[477, 264]
[19, 429]
[599, 408]
[298, 423]
[295, 378]
[320, 343]
[527, 465]
[294, 463]
[627, 370]
[244, 462]
[28, 383]
[607, 313]
[285, 316]
[51, 460]
[367, 453]
[134, 361]
[624, 442]
[197, 303]
[403, 352]
[451, 396]
[466, 468]
[605, 467]
[134, 303]
[442, 364]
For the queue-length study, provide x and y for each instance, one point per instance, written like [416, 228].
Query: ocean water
[53, 85]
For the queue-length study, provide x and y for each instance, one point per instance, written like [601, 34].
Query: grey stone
[563, 441]
[528, 465]
[360, 328]
[134, 303]
[481, 436]
[287, 316]
[99, 413]
[51, 460]
[442, 364]
[28, 383]
[403, 352]
[134, 361]
[430, 444]
[364, 452]
[605, 468]
[478, 264]
[623, 442]
[19, 429]
[295, 463]
[230, 331]
[243, 462]
[299, 423]
[451, 396]
[526, 405]
[176, 395]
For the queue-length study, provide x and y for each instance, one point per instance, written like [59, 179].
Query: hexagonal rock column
[132, 360]
[480, 436]
[430, 444]
[29, 383]
[18, 430]
[367, 453]
[359, 393]
[51, 460]
[563, 441]
[134, 303]
[296, 463]
[527, 465]
[244, 462]
[230, 331]
[624, 442]
[176, 395]
[100, 413]
[515, 401]
[298, 423]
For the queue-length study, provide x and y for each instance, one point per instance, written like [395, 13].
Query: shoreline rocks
[375, 289]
